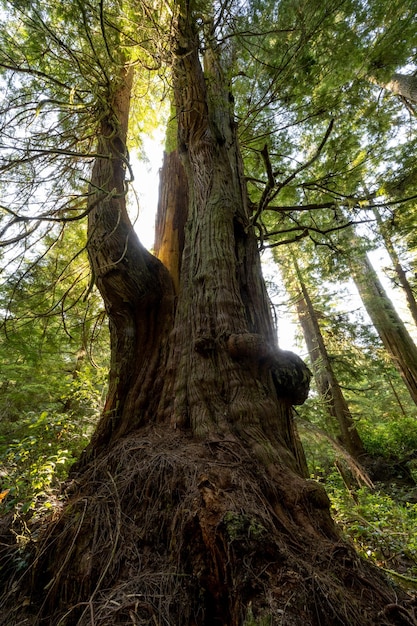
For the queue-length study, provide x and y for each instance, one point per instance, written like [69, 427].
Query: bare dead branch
[303, 207]
[268, 194]
[308, 163]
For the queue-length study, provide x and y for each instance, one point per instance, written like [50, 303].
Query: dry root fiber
[169, 531]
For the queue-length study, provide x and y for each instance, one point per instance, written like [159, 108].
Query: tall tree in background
[405, 86]
[388, 324]
[400, 273]
[190, 505]
[327, 384]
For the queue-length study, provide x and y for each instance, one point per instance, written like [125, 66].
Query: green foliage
[36, 453]
[60, 66]
[240, 527]
[45, 422]
[37, 448]
[250, 620]
[381, 524]
[54, 355]
[392, 438]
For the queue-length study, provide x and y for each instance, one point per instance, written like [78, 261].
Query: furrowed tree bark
[136, 288]
[404, 85]
[228, 371]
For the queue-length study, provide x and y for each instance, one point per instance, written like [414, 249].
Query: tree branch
[268, 195]
[304, 166]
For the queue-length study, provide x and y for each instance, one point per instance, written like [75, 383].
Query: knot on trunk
[290, 374]
[248, 346]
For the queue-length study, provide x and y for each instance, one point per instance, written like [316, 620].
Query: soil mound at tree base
[165, 529]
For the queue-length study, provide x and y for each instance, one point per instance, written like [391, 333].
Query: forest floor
[165, 529]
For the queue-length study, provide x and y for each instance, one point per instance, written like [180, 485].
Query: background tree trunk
[386, 320]
[398, 268]
[325, 378]
[404, 85]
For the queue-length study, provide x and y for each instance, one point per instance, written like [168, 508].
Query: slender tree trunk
[400, 272]
[385, 319]
[326, 381]
[404, 85]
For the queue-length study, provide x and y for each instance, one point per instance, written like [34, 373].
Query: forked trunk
[189, 507]
[136, 288]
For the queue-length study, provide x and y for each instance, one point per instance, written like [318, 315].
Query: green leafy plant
[38, 455]
[391, 438]
[382, 524]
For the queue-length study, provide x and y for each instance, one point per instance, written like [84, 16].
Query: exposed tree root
[168, 530]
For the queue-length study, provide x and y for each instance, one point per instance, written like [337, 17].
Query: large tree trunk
[190, 507]
[341, 420]
[136, 288]
[227, 371]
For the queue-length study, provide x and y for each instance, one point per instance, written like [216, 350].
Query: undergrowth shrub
[393, 438]
[382, 524]
[36, 454]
